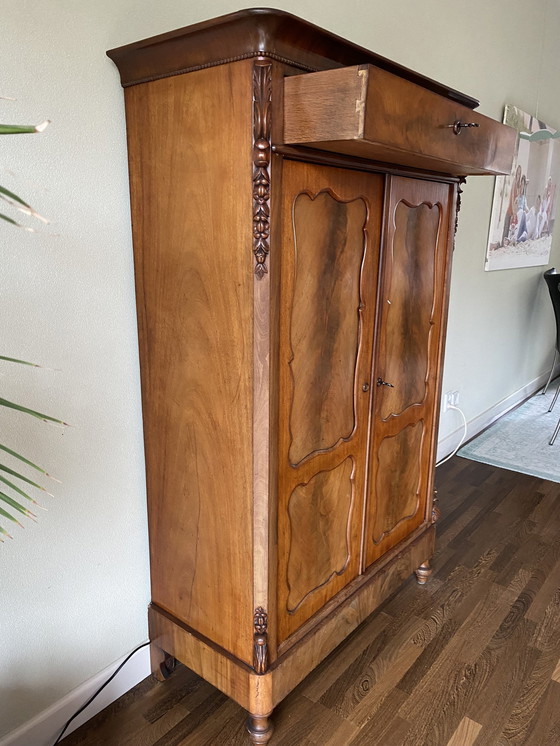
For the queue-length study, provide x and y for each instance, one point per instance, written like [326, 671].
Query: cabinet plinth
[291, 309]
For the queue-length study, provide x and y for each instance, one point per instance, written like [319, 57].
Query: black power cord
[93, 696]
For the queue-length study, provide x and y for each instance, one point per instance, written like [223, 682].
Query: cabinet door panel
[324, 332]
[408, 357]
[320, 514]
[331, 222]
[397, 499]
[407, 321]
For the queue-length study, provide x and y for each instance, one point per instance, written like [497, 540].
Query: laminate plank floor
[471, 659]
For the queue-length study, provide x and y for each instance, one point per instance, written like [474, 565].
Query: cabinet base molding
[260, 693]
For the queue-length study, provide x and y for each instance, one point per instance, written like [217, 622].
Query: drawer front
[368, 112]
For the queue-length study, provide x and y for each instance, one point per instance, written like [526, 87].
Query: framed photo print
[524, 203]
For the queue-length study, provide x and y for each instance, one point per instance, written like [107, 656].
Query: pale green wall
[74, 587]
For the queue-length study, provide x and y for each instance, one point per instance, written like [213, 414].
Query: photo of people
[525, 202]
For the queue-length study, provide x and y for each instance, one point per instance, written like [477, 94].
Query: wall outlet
[450, 399]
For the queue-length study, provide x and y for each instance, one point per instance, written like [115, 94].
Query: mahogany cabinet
[293, 211]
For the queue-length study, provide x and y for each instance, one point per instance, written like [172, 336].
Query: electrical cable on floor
[93, 696]
[463, 437]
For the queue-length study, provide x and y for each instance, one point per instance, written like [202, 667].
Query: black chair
[552, 278]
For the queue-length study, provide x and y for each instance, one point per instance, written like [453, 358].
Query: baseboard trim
[475, 426]
[43, 730]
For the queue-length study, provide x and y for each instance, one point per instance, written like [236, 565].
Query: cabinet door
[407, 361]
[331, 220]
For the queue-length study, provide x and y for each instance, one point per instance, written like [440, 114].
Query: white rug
[519, 440]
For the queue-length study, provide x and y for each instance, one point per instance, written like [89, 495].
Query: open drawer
[368, 112]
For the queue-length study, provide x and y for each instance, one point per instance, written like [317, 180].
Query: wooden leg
[259, 728]
[423, 572]
[162, 663]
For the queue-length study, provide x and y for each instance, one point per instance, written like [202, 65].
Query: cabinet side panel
[190, 170]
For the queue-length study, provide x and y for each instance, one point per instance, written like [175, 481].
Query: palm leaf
[13, 197]
[17, 225]
[10, 220]
[32, 412]
[19, 129]
[18, 490]
[10, 517]
[16, 506]
[21, 362]
[25, 461]
[7, 469]
[17, 202]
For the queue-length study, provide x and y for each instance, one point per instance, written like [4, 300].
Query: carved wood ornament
[262, 101]
[462, 181]
[260, 646]
[436, 512]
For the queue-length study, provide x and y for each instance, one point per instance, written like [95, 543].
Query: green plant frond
[23, 129]
[10, 220]
[21, 362]
[13, 197]
[16, 224]
[14, 201]
[10, 517]
[18, 490]
[32, 412]
[23, 478]
[25, 461]
[16, 506]
[17, 129]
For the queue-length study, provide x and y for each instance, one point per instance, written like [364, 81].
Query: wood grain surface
[254, 32]
[471, 659]
[407, 362]
[330, 237]
[363, 110]
[291, 326]
[260, 693]
[321, 516]
[329, 250]
[196, 341]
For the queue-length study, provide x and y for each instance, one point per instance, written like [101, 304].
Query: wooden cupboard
[293, 204]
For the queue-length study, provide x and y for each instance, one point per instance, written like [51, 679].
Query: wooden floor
[471, 658]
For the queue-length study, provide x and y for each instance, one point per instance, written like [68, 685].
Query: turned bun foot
[423, 572]
[259, 729]
[163, 664]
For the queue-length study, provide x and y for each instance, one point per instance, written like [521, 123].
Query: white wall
[501, 327]
[74, 588]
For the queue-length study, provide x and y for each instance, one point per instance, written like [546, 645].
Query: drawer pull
[458, 125]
